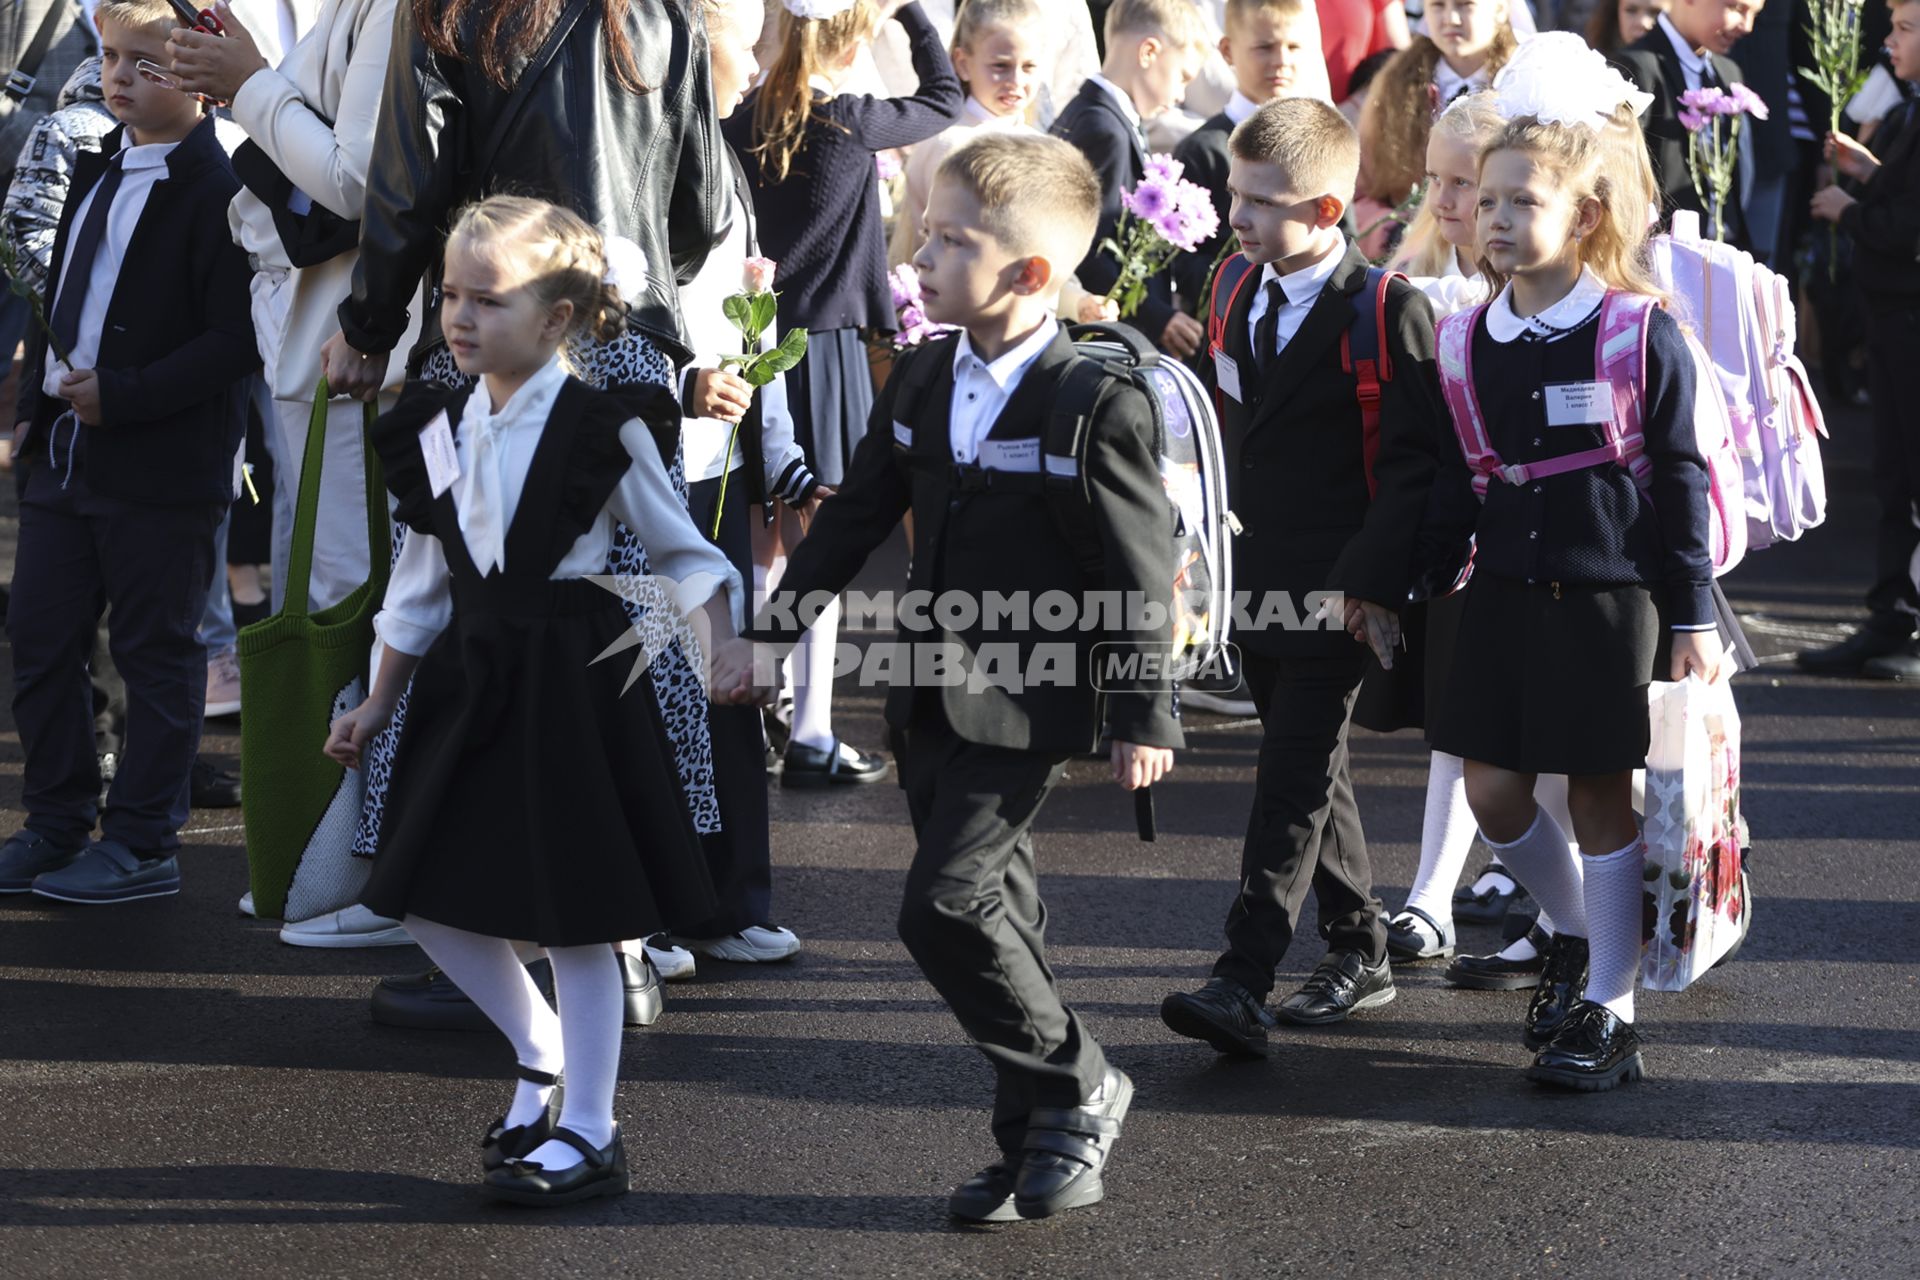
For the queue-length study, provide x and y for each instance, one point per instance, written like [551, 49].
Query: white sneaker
[223, 684]
[353, 926]
[674, 964]
[246, 905]
[756, 944]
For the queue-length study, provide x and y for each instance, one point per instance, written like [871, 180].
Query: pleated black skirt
[830, 394]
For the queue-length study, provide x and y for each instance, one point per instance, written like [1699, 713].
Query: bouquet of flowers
[914, 328]
[1163, 216]
[1711, 156]
[752, 311]
[1838, 71]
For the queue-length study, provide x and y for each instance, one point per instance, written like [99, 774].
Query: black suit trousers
[1304, 830]
[973, 920]
[1895, 596]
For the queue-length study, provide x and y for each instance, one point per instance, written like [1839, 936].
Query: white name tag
[443, 464]
[1010, 455]
[1575, 404]
[903, 434]
[1226, 372]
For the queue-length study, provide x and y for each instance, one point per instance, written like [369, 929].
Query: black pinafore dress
[532, 796]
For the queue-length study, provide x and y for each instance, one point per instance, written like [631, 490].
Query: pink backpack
[1620, 360]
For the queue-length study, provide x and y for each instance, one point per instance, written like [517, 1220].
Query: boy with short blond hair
[1321, 516]
[1154, 48]
[955, 439]
[1271, 45]
[125, 460]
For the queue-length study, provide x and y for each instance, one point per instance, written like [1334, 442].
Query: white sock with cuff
[1614, 914]
[1446, 838]
[1541, 861]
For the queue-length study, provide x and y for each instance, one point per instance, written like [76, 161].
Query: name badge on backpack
[436, 444]
[1010, 455]
[1579, 404]
[1226, 373]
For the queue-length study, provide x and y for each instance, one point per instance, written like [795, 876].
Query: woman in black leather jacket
[618, 126]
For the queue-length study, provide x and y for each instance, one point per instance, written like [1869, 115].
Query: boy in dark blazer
[990, 703]
[1153, 52]
[1318, 519]
[125, 461]
[1687, 49]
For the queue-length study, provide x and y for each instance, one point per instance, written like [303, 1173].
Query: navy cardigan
[822, 224]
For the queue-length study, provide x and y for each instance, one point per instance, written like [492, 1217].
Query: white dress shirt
[495, 448]
[981, 388]
[1449, 84]
[1300, 289]
[1506, 325]
[1692, 61]
[142, 166]
[1239, 107]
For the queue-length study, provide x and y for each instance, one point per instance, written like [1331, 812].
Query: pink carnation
[1745, 99]
[1693, 121]
[756, 275]
[1164, 168]
[1149, 201]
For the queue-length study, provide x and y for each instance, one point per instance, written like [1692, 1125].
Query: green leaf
[765, 310]
[739, 309]
[765, 368]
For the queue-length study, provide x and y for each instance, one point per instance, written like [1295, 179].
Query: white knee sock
[592, 997]
[1550, 793]
[813, 681]
[1541, 861]
[490, 972]
[1446, 837]
[1613, 893]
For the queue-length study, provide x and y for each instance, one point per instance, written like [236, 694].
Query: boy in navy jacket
[955, 440]
[1320, 518]
[125, 461]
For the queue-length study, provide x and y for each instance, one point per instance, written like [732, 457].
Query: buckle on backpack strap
[19, 84]
[1515, 474]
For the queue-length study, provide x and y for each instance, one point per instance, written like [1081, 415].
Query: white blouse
[1453, 290]
[495, 448]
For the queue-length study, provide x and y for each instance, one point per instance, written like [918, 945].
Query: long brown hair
[1399, 114]
[509, 31]
[783, 105]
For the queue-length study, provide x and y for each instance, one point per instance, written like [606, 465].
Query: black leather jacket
[645, 166]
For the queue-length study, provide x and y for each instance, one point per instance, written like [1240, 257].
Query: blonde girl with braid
[534, 795]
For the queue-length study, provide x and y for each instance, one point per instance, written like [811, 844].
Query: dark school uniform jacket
[1205, 160]
[1885, 223]
[178, 340]
[1296, 466]
[1651, 63]
[1093, 122]
[974, 541]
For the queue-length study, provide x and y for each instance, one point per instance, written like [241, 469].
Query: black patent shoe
[504, 1143]
[1406, 944]
[603, 1172]
[1224, 1014]
[987, 1196]
[1492, 973]
[1067, 1147]
[1593, 1050]
[838, 765]
[646, 999]
[432, 1001]
[1563, 981]
[1488, 907]
[1344, 983]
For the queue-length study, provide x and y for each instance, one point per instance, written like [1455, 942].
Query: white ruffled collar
[1572, 311]
[535, 394]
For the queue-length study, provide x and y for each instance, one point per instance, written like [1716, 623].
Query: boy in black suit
[1268, 43]
[955, 440]
[1687, 49]
[1318, 518]
[125, 462]
[1154, 49]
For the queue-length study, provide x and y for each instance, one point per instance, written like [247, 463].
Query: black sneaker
[1342, 984]
[1593, 1050]
[1224, 1014]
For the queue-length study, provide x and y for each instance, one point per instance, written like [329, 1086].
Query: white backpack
[1741, 313]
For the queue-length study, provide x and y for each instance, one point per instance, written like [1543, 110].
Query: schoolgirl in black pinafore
[534, 795]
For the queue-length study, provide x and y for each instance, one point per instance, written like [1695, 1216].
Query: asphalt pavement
[185, 1096]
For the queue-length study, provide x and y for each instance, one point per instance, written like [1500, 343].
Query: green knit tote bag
[298, 671]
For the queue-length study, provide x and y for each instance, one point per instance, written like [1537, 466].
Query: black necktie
[1709, 77]
[1266, 333]
[72, 286]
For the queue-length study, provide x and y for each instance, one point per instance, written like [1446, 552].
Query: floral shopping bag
[1697, 905]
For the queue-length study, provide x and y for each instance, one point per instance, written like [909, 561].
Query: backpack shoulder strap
[1454, 356]
[915, 371]
[1620, 360]
[1228, 281]
[1364, 353]
[1082, 384]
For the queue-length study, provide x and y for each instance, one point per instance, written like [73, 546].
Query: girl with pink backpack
[1581, 482]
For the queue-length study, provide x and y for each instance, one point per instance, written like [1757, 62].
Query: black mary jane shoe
[1488, 907]
[1594, 1050]
[1494, 973]
[1405, 943]
[987, 1196]
[1224, 1014]
[504, 1143]
[1067, 1147]
[602, 1172]
[838, 765]
[1341, 984]
[1563, 981]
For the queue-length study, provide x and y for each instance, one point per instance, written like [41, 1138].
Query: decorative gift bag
[1697, 906]
[298, 671]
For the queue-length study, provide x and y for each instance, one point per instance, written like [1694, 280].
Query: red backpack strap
[1369, 360]
[1232, 276]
